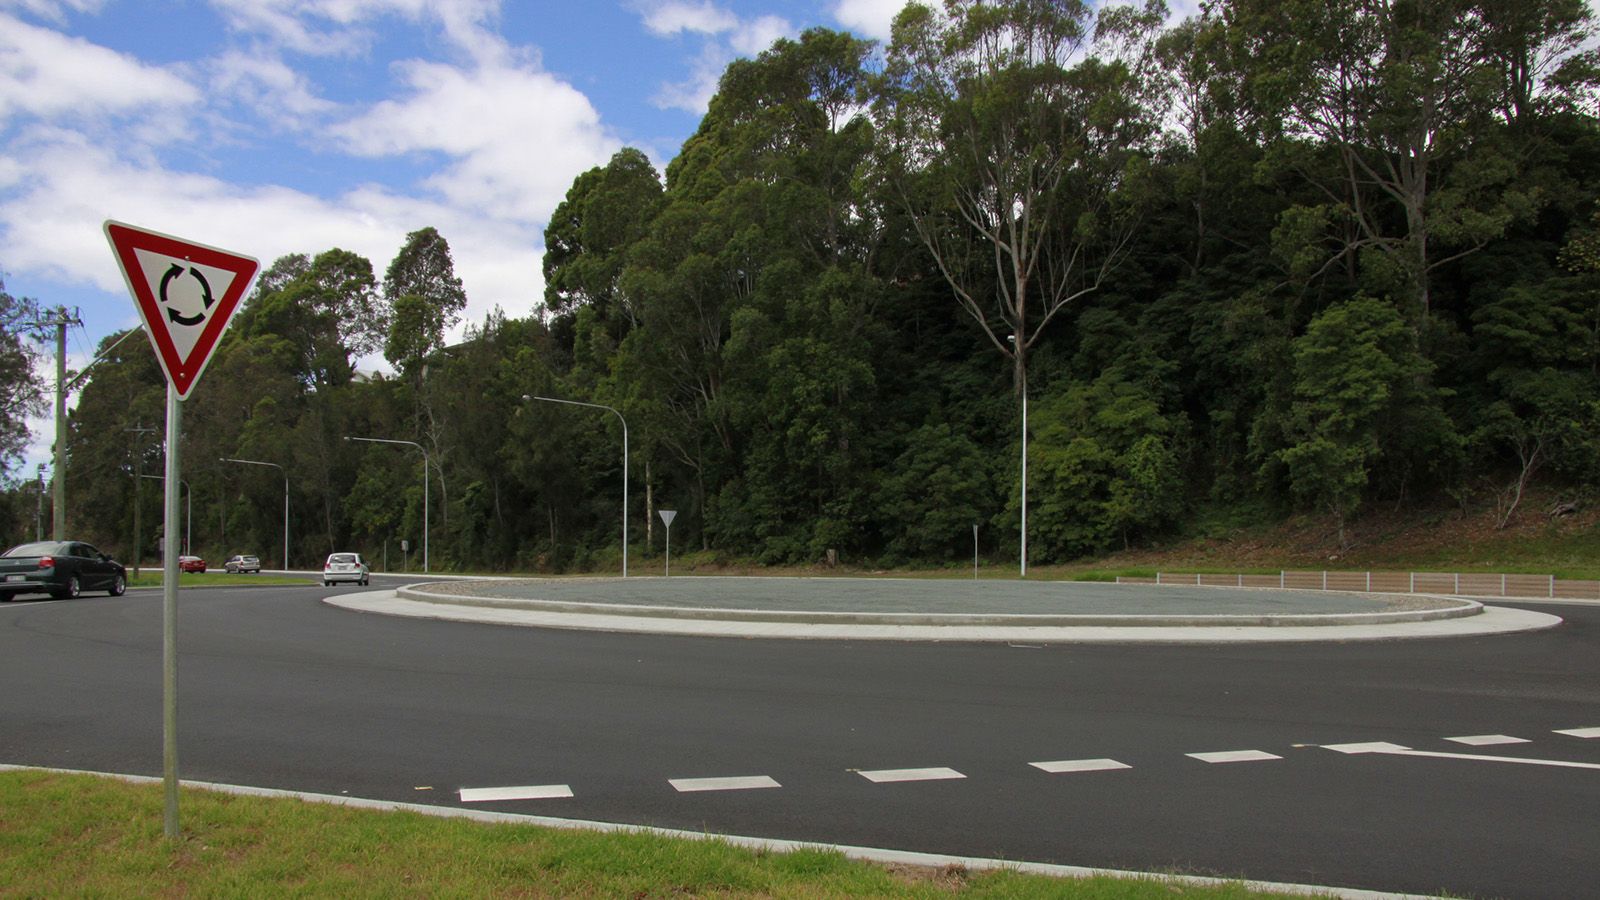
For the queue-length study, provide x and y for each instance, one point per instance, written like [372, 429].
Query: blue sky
[278, 126]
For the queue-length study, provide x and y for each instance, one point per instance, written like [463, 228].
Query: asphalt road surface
[1485, 780]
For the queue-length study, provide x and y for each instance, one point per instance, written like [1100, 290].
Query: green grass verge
[85, 836]
[149, 577]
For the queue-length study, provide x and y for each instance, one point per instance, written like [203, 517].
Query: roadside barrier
[1472, 584]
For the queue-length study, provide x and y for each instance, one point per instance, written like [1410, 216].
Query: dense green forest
[1289, 256]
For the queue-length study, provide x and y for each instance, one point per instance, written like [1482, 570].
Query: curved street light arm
[624, 464]
[425, 490]
[257, 462]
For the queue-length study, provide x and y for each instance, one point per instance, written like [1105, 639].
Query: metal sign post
[186, 294]
[667, 515]
[169, 616]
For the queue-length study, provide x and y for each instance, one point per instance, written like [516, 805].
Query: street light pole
[424, 487]
[257, 462]
[1015, 349]
[624, 466]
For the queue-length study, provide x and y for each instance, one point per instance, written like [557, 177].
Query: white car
[344, 567]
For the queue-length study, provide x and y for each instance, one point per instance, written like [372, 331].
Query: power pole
[138, 476]
[60, 318]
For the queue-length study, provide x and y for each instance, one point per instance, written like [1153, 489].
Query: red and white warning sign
[186, 294]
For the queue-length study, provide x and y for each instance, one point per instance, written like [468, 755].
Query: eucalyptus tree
[1389, 109]
[422, 299]
[1014, 134]
[607, 209]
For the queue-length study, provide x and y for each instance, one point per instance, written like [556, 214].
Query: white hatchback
[344, 567]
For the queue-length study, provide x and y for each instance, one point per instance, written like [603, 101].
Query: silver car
[344, 567]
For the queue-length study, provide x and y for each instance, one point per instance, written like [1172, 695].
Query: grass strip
[152, 577]
[66, 834]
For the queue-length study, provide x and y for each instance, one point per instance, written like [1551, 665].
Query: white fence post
[1458, 582]
[1502, 584]
[1324, 579]
[1413, 583]
[1552, 585]
[1369, 580]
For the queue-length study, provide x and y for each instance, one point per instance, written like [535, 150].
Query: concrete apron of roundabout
[901, 609]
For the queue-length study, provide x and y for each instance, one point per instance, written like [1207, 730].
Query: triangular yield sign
[186, 294]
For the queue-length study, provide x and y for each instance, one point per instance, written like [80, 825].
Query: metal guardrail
[1473, 584]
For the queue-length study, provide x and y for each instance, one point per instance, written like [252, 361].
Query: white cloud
[265, 83]
[46, 73]
[336, 27]
[868, 18]
[514, 137]
[667, 19]
[750, 38]
[52, 10]
[723, 37]
[53, 228]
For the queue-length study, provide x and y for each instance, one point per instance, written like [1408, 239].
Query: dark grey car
[59, 568]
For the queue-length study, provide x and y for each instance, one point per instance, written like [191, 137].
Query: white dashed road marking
[1369, 747]
[1230, 756]
[528, 792]
[1397, 750]
[1080, 765]
[1581, 732]
[736, 783]
[1488, 740]
[881, 776]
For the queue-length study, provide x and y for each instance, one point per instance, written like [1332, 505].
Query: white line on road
[1230, 756]
[1580, 732]
[1488, 740]
[736, 783]
[1080, 765]
[881, 776]
[1368, 747]
[1397, 750]
[527, 792]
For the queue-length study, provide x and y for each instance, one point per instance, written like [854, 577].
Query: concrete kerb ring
[1459, 608]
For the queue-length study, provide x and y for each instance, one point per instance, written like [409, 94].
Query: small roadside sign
[186, 293]
[667, 515]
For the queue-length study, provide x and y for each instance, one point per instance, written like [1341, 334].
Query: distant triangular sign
[186, 294]
[667, 515]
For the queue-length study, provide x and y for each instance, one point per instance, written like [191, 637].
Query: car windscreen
[341, 558]
[38, 548]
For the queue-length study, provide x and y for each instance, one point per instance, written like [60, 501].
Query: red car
[191, 564]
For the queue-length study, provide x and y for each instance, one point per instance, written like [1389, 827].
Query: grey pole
[257, 462]
[1024, 477]
[425, 490]
[974, 551]
[169, 617]
[58, 487]
[624, 466]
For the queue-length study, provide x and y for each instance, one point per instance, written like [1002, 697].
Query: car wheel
[119, 586]
[73, 589]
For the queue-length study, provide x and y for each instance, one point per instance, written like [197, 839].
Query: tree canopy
[1283, 256]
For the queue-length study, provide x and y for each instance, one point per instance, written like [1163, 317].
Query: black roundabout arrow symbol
[205, 295]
